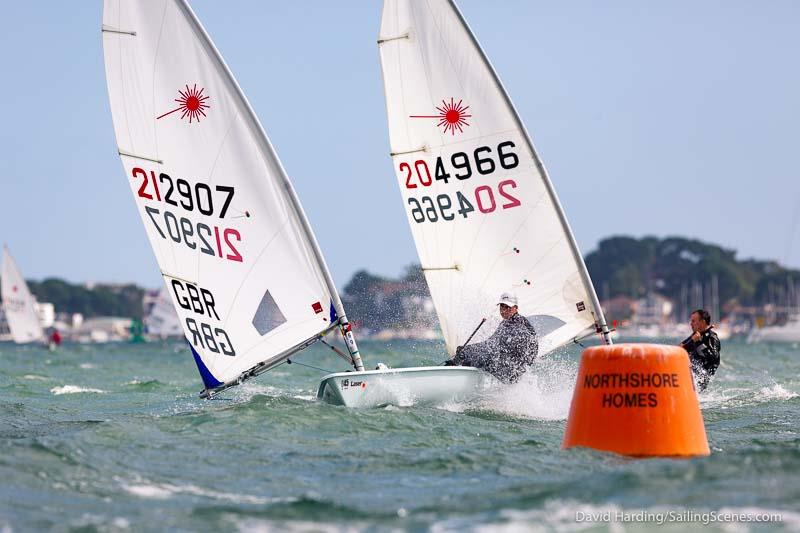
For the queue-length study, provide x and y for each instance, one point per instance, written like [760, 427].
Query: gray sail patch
[545, 324]
[268, 316]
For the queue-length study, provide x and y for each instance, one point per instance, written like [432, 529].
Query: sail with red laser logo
[241, 264]
[482, 210]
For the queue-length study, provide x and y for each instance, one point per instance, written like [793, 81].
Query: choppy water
[114, 438]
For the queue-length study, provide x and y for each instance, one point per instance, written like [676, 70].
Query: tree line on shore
[620, 266]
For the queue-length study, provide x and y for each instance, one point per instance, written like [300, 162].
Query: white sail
[162, 320]
[482, 210]
[19, 304]
[243, 269]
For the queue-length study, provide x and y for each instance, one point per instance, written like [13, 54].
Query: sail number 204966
[460, 167]
[428, 209]
[460, 164]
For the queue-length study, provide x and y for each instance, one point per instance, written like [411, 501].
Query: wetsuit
[703, 356]
[506, 354]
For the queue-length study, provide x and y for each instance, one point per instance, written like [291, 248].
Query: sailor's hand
[696, 336]
[459, 349]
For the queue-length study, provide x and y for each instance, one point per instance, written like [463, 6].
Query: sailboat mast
[600, 319]
[266, 145]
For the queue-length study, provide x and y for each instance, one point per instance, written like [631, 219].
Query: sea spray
[544, 392]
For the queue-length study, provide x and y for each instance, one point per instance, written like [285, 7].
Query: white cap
[508, 298]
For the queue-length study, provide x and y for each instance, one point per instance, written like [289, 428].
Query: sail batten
[479, 197]
[238, 257]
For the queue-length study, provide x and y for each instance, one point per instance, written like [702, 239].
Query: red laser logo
[451, 115]
[192, 104]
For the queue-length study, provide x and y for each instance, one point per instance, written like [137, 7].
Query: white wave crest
[163, 491]
[261, 525]
[74, 389]
[742, 396]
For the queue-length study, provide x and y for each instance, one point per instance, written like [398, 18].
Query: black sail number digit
[445, 204]
[205, 247]
[168, 196]
[208, 209]
[229, 196]
[485, 165]
[460, 161]
[185, 190]
[430, 210]
[508, 160]
[416, 210]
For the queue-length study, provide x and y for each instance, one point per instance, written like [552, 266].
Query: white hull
[789, 332]
[403, 386]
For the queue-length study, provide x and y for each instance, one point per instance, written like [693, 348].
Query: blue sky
[673, 118]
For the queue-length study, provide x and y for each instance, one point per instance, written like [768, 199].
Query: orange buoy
[637, 400]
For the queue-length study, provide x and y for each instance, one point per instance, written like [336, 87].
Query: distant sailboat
[19, 304]
[789, 332]
[483, 212]
[242, 266]
[162, 321]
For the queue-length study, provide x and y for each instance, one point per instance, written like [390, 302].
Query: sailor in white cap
[510, 349]
[508, 305]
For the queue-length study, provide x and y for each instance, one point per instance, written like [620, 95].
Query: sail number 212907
[210, 239]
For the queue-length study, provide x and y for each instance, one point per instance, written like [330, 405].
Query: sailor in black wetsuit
[703, 347]
[508, 352]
